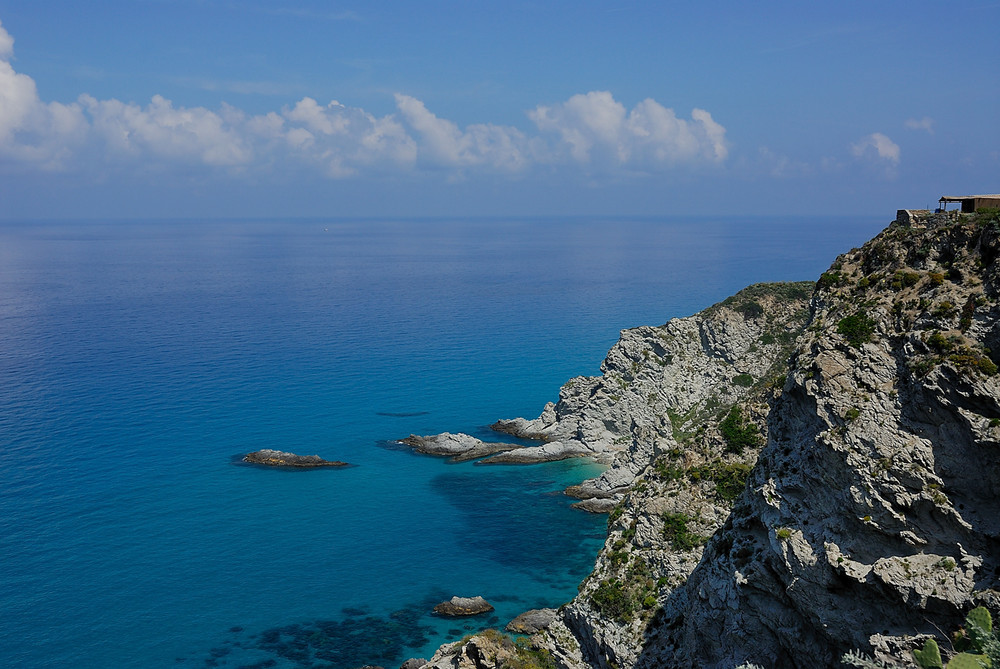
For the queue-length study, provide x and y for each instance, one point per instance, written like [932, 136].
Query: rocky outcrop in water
[459, 447]
[282, 459]
[463, 606]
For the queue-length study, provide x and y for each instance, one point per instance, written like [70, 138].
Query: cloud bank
[591, 132]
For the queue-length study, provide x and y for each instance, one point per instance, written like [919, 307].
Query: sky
[236, 108]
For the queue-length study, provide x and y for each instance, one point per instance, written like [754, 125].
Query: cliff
[784, 495]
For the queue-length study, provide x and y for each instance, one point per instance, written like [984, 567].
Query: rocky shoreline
[799, 471]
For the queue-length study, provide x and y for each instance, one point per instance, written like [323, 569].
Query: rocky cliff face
[783, 509]
[872, 515]
[662, 384]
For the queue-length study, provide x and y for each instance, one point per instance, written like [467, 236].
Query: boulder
[282, 459]
[413, 663]
[533, 621]
[463, 606]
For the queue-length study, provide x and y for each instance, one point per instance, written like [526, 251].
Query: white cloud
[444, 144]
[597, 130]
[6, 44]
[31, 131]
[161, 130]
[339, 141]
[925, 123]
[876, 146]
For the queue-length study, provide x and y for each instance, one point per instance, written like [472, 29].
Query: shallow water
[141, 358]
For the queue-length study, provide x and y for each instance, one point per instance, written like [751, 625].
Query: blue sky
[190, 108]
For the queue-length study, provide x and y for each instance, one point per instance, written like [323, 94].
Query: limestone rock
[533, 621]
[872, 518]
[413, 663]
[657, 382]
[282, 459]
[459, 447]
[463, 606]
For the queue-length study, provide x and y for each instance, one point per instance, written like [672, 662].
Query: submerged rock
[282, 459]
[463, 606]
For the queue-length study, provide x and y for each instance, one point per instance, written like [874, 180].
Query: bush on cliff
[738, 432]
[857, 329]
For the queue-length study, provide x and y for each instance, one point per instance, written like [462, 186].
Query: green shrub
[902, 279]
[829, 279]
[968, 311]
[939, 342]
[729, 479]
[744, 380]
[738, 432]
[857, 329]
[969, 361]
[675, 531]
[667, 470]
[750, 310]
[987, 216]
[612, 599]
[530, 658]
[944, 310]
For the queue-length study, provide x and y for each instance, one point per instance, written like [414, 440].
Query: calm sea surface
[139, 359]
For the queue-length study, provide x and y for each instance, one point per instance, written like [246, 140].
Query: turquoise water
[141, 358]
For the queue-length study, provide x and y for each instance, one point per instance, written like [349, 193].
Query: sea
[140, 359]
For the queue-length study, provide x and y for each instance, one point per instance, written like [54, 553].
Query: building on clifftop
[970, 203]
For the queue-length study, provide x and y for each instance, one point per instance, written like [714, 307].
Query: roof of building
[959, 198]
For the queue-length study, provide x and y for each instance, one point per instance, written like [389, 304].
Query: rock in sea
[459, 447]
[281, 459]
[463, 606]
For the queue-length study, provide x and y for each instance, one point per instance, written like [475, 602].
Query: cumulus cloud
[338, 141]
[925, 123]
[341, 140]
[444, 144]
[33, 132]
[596, 129]
[161, 130]
[6, 43]
[877, 146]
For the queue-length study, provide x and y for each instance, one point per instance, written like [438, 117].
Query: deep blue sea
[140, 359]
